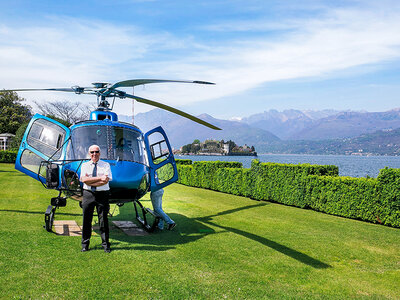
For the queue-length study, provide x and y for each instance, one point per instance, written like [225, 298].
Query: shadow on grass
[187, 231]
[192, 229]
[299, 256]
[37, 212]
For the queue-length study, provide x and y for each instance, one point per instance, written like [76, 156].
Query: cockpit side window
[46, 137]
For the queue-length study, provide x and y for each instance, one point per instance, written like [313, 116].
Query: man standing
[95, 175]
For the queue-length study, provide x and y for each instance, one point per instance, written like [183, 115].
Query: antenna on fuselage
[133, 105]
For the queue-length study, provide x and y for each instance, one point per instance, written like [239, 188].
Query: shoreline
[219, 154]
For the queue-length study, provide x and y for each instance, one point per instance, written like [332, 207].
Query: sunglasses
[94, 152]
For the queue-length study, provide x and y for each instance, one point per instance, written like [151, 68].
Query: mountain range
[182, 131]
[286, 128]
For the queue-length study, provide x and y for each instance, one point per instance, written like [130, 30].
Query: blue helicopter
[140, 162]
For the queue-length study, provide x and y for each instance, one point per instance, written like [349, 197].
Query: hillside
[182, 131]
[287, 123]
[312, 132]
[349, 125]
[382, 142]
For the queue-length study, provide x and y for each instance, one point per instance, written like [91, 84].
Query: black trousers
[100, 201]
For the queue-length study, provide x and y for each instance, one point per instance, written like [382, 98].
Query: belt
[102, 191]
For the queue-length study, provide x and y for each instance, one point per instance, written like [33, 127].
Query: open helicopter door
[43, 140]
[163, 170]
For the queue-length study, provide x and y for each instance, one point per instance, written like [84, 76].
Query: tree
[12, 112]
[186, 148]
[66, 123]
[195, 148]
[232, 145]
[196, 141]
[71, 113]
[16, 141]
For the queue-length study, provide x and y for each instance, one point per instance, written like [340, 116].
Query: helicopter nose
[127, 175]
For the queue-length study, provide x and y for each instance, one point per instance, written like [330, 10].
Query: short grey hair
[93, 147]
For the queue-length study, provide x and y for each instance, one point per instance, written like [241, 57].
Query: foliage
[232, 145]
[59, 120]
[8, 156]
[389, 195]
[16, 141]
[183, 161]
[304, 185]
[12, 112]
[355, 198]
[224, 246]
[191, 148]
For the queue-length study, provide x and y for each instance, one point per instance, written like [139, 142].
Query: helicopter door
[163, 170]
[43, 140]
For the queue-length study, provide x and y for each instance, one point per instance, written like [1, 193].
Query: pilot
[95, 175]
[156, 200]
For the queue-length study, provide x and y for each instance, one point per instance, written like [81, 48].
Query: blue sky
[262, 55]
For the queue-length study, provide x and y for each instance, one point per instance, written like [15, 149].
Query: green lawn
[223, 247]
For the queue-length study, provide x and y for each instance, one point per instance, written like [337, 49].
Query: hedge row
[306, 186]
[8, 156]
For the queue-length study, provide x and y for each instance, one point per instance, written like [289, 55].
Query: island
[215, 147]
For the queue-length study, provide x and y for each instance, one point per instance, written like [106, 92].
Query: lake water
[349, 165]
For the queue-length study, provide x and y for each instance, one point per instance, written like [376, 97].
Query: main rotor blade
[135, 82]
[171, 109]
[54, 89]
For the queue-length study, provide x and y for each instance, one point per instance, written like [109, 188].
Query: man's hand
[104, 179]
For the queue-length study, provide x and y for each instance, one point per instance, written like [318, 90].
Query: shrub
[355, 198]
[8, 156]
[183, 161]
[389, 189]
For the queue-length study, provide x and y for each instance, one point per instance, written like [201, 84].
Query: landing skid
[143, 219]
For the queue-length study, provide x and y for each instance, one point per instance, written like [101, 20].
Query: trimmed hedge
[284, 183]
[7, 156]
[304, 185]
[355, 198]
[389, 189]
[183, 161]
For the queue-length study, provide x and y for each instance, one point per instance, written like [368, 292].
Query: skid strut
[51, 211]
[143, 220]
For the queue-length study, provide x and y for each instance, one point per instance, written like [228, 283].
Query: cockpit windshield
[116, 143]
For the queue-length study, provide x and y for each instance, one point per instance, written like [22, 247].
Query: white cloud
[70, 51]
[342, 40]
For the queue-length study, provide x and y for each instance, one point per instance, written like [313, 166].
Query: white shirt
[103, 168]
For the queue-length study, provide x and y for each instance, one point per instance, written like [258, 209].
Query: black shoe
[171, 226]
[107, 250]
[85, 249]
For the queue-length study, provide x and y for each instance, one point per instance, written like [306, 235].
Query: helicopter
[140, 162]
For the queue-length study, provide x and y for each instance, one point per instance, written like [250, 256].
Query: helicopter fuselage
[53, 154]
